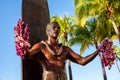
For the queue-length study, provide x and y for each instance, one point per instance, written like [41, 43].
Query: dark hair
[49, 25]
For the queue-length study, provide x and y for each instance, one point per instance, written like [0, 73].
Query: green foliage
[117, 51]
[101, 8]
[95, 16]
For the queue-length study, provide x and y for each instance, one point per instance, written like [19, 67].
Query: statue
[53, 55]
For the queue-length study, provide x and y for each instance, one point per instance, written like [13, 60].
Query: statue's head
[53, 28]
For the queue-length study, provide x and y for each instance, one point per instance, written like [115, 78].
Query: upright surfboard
[36, 14]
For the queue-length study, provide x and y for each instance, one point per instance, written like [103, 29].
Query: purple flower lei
[108, 55]
[21, 35]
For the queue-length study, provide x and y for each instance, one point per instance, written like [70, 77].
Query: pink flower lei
[108, 55]
[21, 35]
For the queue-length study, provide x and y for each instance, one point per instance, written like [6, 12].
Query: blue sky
[10, 63]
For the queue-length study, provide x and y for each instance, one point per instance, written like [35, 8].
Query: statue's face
[54, 30]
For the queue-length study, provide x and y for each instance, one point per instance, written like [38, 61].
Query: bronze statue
[54, 55]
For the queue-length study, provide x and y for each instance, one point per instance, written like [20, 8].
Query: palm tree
[90, 35]
[65, 26]
[36, 14]
[107, 10]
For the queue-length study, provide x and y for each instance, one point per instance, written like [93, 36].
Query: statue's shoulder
[43, 44]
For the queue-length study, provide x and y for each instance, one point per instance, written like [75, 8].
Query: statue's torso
[53, 63]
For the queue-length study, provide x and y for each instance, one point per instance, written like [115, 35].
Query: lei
[108, 55]
[21, 35]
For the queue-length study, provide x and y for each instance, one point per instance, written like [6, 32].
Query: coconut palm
[65, 26]
[106, 10]
[91, 35]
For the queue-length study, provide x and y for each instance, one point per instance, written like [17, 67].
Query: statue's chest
[53, 52]
[56, 54]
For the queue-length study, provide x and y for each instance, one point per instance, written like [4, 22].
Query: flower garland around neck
[54, 53]
[22, 37]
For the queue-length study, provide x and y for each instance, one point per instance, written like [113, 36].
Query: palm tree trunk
[118, 34]
[36, 14]
[70, 70]
[115, 28]
[117, 66]
[103, 69]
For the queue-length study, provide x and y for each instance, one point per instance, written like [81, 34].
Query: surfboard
[36, 14]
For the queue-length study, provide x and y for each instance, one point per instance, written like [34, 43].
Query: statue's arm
[35, 49]
[79, 59]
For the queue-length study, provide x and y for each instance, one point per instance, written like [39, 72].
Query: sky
[10, 63]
